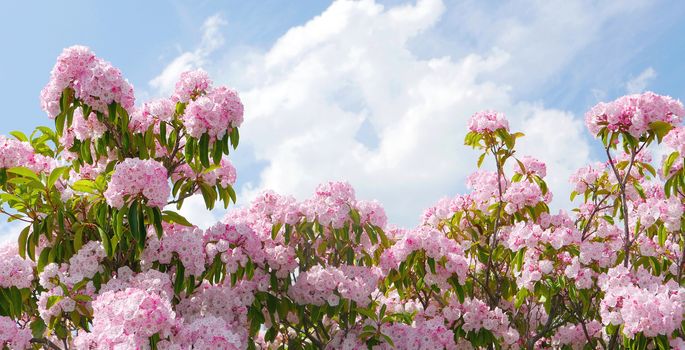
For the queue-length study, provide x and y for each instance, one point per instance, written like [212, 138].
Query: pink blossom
[15, 153]
[134, 177]
[634, 113]
[152, 113]
[14, 271]
[675, 139]
[532, 166]
[12, 336]
[127, 318]
[214, 113]
[182, 241]
[94, 81]
[488, 121]
[190, 85]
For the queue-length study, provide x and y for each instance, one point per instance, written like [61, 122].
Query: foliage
[105, 261]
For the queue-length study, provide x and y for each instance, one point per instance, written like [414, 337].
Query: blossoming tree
[105, 262]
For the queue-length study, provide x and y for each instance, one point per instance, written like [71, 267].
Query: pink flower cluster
[13, 337]
[587, 176]
[522, 194]
[484, 187]
[191, 85]
[488, 121]
[214, 113]
[331, 204]
[186, 242]
[134, 177]
[275, 208]
[528, 235]
[15, 153]
[675, 139]
[152, 113]
[574, 335]
[477, 315]
[371, 212]
[634, 113]
[94, 81]
[127, 319]
[209, 332]
[669, 211]
[320, 285]
[531, 166]
[423, 334]
[435, 244]
[151, 280]
[445, 209]
[235, 244]
[14, 271]
[84, 129]
[224, 175]
[641, 302]
[85, 263]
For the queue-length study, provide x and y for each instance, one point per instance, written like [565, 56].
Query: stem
[624, 206]
[46, 343]
[14, 216]
[493, 245]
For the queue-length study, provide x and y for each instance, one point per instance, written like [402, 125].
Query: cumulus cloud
[640, 82]
[353, 71]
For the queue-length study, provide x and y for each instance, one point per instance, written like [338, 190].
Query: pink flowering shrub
[105, 261]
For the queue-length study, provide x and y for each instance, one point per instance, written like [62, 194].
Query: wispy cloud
[640, 82]
[212, 39]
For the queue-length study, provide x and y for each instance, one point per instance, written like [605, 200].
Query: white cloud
[640, 82]
[9, 232]
[212, 39]
[308, 96]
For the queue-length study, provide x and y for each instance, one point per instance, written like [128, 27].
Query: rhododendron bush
[105, 261]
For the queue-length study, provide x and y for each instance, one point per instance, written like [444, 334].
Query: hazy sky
[374, 93]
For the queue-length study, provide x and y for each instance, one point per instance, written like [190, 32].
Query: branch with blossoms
[105, 260]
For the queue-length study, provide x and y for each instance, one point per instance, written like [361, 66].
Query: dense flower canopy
[105, 261]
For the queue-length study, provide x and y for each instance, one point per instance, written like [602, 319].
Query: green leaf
[134, 221]
[669, 162]
[78, 238]
[55, 175]
[208, 195]
[218, 153]
[59, 123]
[235, 137]
[82, 298]
[19, 136]
[180, 278]
[38, 327]
[87, 186]
[172, 216]
[52, 300]
[157, 221]
[189, 149]
[520, 297]
[231, 193]
[43, 259]
[25, 172]
[480, 159]
[204, 150]
[660, 129]
[85, 152]
[21, 242]
[105, 241]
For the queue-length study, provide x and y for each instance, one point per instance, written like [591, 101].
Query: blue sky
[372, 93]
